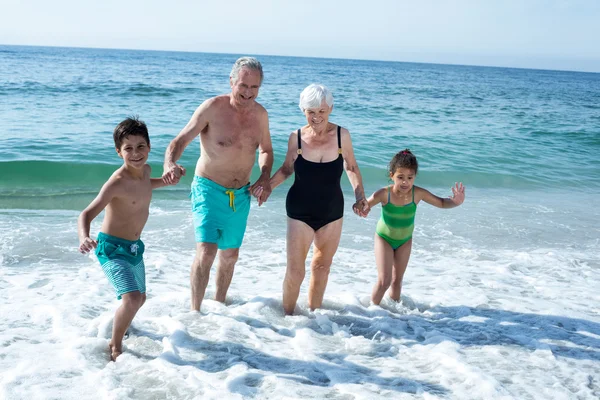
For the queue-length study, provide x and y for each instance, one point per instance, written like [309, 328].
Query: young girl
[393, 237]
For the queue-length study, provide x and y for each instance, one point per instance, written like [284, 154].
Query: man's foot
[113, 352]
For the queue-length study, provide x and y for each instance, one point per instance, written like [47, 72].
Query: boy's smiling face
[134, 151]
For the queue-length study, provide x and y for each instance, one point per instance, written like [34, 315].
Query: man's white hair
[313, 95]
[246, 62]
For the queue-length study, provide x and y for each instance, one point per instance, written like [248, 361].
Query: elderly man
[231, 128]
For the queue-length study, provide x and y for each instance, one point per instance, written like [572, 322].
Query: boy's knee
[134, 299]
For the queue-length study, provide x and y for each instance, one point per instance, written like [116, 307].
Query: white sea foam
[485, 314]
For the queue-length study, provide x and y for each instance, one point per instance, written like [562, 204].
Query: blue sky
[552, 34]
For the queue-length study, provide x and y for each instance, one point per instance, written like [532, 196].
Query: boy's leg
[200, 272]
[401, 257]
[131, 303]
[384, 259]
[227, 260]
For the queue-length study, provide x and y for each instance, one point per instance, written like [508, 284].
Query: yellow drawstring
[231, 194]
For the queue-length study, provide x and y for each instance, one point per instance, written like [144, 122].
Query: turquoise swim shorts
[122, 263]
[220, 214]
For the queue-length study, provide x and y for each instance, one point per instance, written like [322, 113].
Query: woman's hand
[361, 207]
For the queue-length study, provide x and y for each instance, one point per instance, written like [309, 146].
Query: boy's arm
[458, 197]
[156, 183]
[107, 193]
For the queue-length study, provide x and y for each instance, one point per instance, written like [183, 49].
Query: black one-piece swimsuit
[316, 196]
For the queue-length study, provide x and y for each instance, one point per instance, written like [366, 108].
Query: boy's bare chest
[136, 197]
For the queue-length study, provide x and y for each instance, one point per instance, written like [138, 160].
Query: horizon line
[308, 57]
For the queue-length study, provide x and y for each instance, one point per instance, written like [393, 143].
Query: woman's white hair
[246, 62]
[313, 95]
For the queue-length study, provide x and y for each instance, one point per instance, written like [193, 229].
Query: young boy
[126, 196]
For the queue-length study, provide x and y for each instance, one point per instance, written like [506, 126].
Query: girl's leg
[299, 238]
[384, 258]
[130, 304]
[401, 256]
[327, 240]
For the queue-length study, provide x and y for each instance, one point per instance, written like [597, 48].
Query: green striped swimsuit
[397, 223]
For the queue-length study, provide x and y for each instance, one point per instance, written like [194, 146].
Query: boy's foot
[113, 352]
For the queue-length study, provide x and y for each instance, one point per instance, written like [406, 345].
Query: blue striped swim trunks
[122, 263]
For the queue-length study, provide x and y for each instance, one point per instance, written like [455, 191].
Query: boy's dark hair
[404, 159]
[130, 126]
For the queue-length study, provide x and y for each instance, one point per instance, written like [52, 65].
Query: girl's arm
[287, 168]
[361, 207]
[458, 197]
[380, 196]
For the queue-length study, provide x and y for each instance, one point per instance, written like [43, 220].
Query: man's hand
[87, 245]
[261, 189]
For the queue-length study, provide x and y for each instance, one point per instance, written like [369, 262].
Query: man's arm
[172, 171]
[261, 189]
[106, 194]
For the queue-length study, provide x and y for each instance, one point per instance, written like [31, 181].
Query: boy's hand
[173, 174]
[87, 245]
[458, 194]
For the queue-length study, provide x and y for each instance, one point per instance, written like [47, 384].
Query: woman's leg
[299, 238]
[384, 259]
[326, 243]
[401, 256]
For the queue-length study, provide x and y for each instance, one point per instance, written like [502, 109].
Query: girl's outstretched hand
[458, 194]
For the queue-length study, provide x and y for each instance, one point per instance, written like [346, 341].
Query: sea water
[500, 299]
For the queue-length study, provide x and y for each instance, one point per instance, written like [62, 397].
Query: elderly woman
[317, 153]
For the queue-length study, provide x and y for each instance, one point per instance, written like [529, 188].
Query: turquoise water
[512, 129]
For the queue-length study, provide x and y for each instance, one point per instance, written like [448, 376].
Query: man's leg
[227, 260]
[200, 272]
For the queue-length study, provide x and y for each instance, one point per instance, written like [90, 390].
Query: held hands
[87, 245]
[458, 194]
[361, 208]
[172, 174]
[261, 189]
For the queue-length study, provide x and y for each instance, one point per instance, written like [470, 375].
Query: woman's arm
[458, 197]
[361, 207]
[287, 168]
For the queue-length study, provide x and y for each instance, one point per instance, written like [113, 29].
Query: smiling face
[244, 89]
[404, 179]
[134, 151]
[318, 117]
